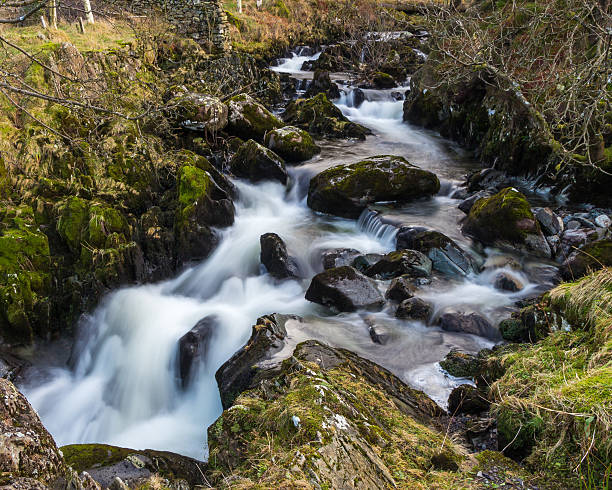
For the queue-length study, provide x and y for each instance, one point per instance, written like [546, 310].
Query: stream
[122, 386]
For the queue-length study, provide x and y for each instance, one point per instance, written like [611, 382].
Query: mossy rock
[72, 222]
[590, 258]
[291, 143]
[256, 163]
[461, 364]
[248, 119]
[6, 185]
[506, 219]
[200, 112]
[383, 80]
[320, 117]
[346, 190]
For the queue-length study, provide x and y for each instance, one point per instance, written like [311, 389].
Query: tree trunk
[239, 6]
[88, 13]
[53, 13]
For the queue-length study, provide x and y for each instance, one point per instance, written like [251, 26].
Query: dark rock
[249, 119]
[414, 309]
[401, 288]
[471, 323]
[321, 83]
[460, 364]
[486, 180]
[401, 262]
[550, 223]
[467, 399]
[200, 112]
[344, 289]
[507, 282]
[363, 262]
[256, 162]
[339, 257]
[505, 219]
[244, 368]
[193, 347]
[358, 97]
[346, 190]
[275, 258]
[320, 117]
[293, 144]
[467, 203]
[591, 257]
[379, 334]
[446, 256]
[383, 81]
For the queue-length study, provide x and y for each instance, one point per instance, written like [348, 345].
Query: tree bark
[88, 13]
[239, 6]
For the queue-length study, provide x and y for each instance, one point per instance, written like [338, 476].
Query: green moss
[194, 184]
[249, 119]
[72, 222]
[281, 9]
[106, 225]
[83, 457]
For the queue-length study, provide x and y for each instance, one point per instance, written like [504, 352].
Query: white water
[124, 388]
[294, 64]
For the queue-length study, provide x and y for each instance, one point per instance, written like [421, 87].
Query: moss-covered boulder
[322, 84]
[383, 80]
[202, 204]
[330, 416]
[590, 258]
[249, 119]
[345, 289]
[200, 112]
[414, 309]
[506, 220]
[346, 190]
[320, 117]
[25, 281]
[293, 144]
[256, 162]
[400, 263]
[461, 364]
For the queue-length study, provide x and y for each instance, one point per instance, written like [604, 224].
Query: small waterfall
[371, 223]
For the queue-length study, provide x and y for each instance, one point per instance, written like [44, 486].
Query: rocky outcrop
[248, 119]
[193, 347]
[346, 190]
[200, 112]
[245, 368]
[275, 258]
[345, 289]
[592, 257]
[399, 263]
[322, 84]
[256, 162]
[293, 144]
[506, 220]
[335, 419]
[320, 117]
[401, 288]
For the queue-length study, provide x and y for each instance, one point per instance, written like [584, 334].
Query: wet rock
[471, 323]
[399, 263]
[570, 241]
[200, 112]
[248, 119]
[379, 334]
[603, 221]
[339, 257]
[486, 180]
[346, 190]
[245, 368]
[507, 282]
[291, 143]
[505, 219]
[591, 257]
[358, 97]
[554, 242]
[364, 261]
[322, 84]
[345, 289]
[275, 258]
[446, 256]
[256, 163]
[27, 450]
[499, 261]
[461, 364]
[467, 399]
[550, 223]
[193, 347]
[383, 81]
[414, 309]
[11, 366]
[467, 203]
[401, 288]
[320, 117]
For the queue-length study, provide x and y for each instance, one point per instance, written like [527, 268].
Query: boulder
[399, 263]
[591, 257]
[275, 258]
[414, 309]
[460, 364]
[383, 81]
[507, 282]
[468, 202]
[322, 84]
[293, 144]
[446, 256]
[320, 117]
[248, 119]
[339, 257]
[401, 288]
[345, 289]
[467, 399]
[193, 347]
[200, 112]
[550, 223]
[471, 323]
[505, 219]
[256, 162]
[346, 190]
[364, 261]
[379, 334]
[244, 368]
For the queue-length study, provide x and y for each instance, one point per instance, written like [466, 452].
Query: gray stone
[471, 323]
[339, 257]
[603, 221]
[550, 223]
[414, 309]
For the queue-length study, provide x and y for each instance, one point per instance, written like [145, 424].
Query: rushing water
[122, 387]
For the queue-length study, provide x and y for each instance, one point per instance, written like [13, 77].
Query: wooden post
[239, 6]
[81, 25]
[43, 22]
[88, 13]
[53, 13]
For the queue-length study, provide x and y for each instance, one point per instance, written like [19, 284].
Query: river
[122, 385]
